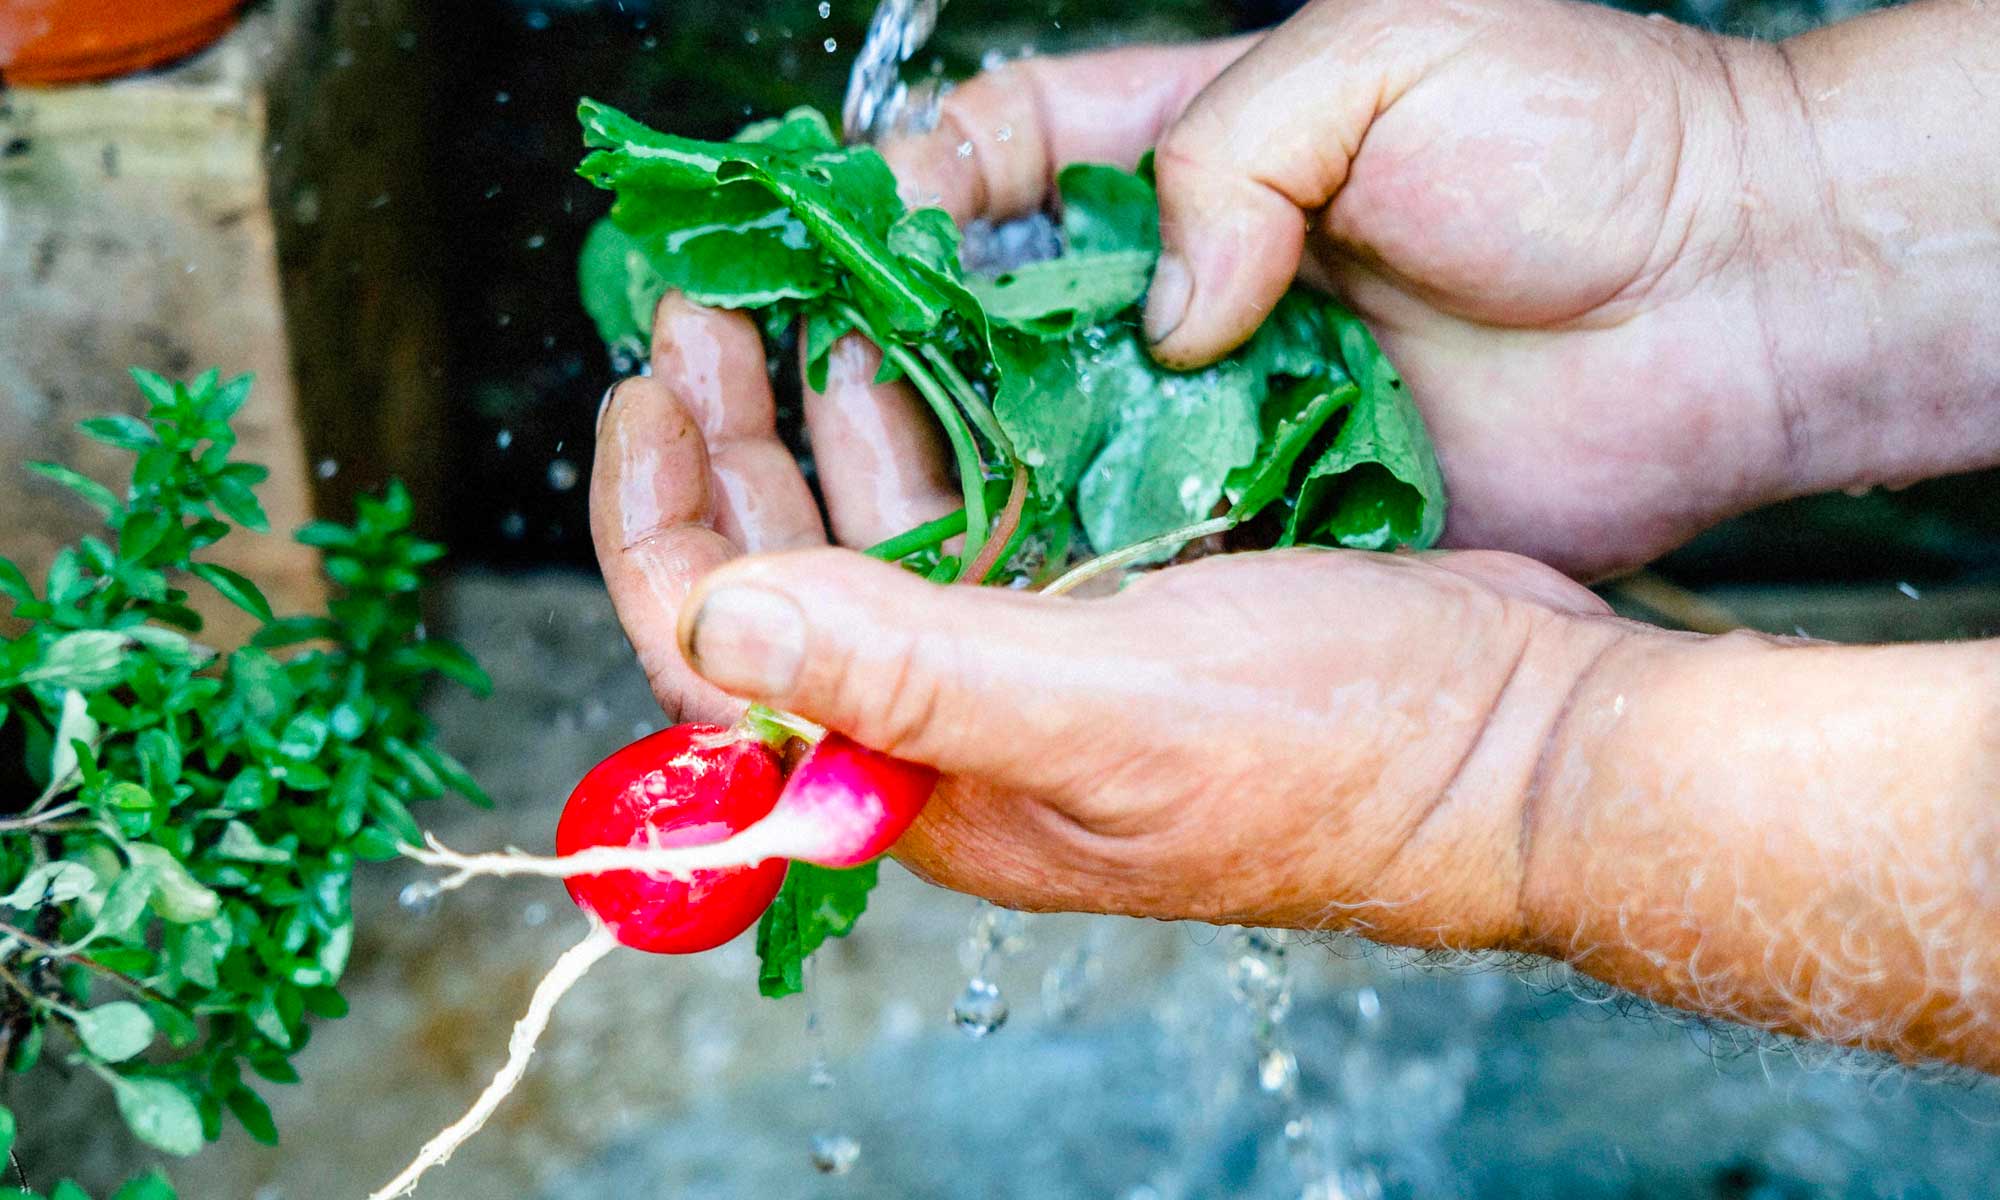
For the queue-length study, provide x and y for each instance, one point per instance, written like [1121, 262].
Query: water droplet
[536, 19]
[1004, 134]
[819, 1075]
[419, 898]
[536, 241]
[965, 149]
[1368, 1006]
[535, 914]
[1277, 1070]
[327, 468]
[502, 97]
[562, 474]
[379, 200]
[831, 45]
[825, 10]
[834, 1153]
[504, 438]
[305, 206]
[1910, 590]
[752, 36]
[513, 526]
[980, 1009]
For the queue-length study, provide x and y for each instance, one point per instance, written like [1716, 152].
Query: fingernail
[1167, 299]
[604, 405]
[749, 641]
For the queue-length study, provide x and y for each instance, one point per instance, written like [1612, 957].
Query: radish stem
[971, 474]
[1005, 526]
[1090, 569]
[571, 967]
[923, 537]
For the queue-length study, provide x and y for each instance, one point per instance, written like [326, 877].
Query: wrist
[1870, 188]
[1794, 836]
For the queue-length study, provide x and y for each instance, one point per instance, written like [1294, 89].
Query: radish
[686, 786]
[846, 804]
[678, 843]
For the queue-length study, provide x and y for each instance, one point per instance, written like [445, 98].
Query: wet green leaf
[815, 903]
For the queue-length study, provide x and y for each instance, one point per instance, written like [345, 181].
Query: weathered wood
[135, 230]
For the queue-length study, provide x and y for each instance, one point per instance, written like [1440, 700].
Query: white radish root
[520, 1048]
[759, 843]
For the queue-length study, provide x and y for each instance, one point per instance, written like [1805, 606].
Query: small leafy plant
[1059, 419]
[179, 828]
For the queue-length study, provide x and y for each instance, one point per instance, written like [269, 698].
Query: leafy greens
[1038, 374]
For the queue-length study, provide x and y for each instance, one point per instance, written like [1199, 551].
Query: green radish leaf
[1378, 486]
[619, 287]
[159, 1113]
[1055, 440]
[815, 903]
[843, 200]
[1105, 209]
[6, 1133]
[1292, 418]
[114, 1032]
[1173, 438]
[1056, 298]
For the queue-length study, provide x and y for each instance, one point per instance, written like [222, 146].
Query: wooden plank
[135, 230]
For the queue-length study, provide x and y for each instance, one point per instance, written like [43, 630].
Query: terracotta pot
[70, 41]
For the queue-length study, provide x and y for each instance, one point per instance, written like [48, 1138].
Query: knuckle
[905, 711]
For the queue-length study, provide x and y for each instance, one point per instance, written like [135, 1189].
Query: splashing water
[830, 1151]
[994, 933]
[878, 102]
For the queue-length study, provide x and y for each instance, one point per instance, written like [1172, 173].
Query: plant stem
[1005, 529]
[53, 814]
[923, 537]
[971, 474]
[968, 398]
[1090, 569]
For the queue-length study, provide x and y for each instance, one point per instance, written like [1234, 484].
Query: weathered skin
[1640, 278]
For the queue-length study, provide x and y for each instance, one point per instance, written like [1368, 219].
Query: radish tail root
[520, 1048]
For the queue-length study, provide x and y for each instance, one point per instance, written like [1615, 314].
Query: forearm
[1801, 838]
[1878, 225]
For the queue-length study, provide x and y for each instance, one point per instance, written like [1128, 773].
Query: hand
[1286, 773]
[1542, 208]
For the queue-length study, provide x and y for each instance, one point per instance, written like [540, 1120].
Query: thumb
[965, 679]
[1264, 146]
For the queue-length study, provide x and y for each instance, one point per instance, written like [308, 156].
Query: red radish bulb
[691, 785]
[846, 804]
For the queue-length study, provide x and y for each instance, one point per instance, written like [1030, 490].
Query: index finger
[1002, 136]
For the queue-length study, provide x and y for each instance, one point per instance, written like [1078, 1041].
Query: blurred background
[371, 203]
